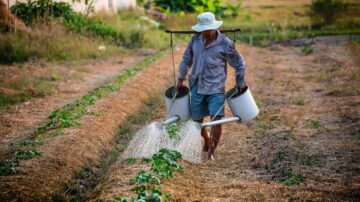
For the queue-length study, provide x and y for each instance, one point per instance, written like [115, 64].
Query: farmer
[208, 54]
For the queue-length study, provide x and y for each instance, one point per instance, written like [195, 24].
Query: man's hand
[240, 90]
[180, 84]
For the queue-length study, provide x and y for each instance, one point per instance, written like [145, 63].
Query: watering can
[177, 104]
[243, 106]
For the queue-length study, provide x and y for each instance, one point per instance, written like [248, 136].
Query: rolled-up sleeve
[235, 59]
[187, 60]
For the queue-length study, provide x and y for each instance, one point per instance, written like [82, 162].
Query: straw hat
[206, 21]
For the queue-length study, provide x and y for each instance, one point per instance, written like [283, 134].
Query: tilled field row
[42, 177]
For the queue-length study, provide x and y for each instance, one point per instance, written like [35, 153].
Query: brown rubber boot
[206, 137]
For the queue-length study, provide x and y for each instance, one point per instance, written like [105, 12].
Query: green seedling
[147, 183]
[292, 179]
[7, 166]
[27, 154]
[130, 160]
[298, 101]
[313, 123]
[307, 49]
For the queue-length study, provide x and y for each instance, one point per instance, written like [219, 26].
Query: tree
[327, 11]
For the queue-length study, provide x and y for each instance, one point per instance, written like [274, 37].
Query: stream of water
[150, 139]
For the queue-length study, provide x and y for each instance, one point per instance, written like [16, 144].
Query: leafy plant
[172, 129]
[147, 184]
[130, 160]
[292, 179]
[27, 154]
[198, 6]
[164, 162]
[327, 11]
[313, 123]
[234, 9]
[7, 166]
[298, 101]
[307, 49]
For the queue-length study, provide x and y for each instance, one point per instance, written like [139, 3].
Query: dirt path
[21, 120]
[307, 135]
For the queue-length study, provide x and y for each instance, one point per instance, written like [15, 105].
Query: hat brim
[201, 28]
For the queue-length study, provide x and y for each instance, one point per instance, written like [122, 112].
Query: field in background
[262, 23]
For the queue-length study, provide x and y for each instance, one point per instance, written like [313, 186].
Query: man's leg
[206, 137]
[214, 138]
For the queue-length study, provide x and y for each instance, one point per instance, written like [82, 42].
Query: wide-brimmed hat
[206, 21]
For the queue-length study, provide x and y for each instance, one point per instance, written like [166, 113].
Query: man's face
[207, 33]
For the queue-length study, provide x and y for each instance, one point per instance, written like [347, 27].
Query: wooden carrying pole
[193, 32]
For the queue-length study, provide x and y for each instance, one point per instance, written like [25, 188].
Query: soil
[307, 135]
[255, 160]
[40, 178]
[19, 121]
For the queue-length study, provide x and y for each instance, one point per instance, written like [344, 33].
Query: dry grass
[258, 159]
[80, 146]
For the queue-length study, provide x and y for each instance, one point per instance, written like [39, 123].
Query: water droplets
[150, 139]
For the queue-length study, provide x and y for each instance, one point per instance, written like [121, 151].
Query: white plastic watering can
[243, 106]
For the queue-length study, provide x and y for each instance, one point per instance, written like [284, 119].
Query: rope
[172, 55]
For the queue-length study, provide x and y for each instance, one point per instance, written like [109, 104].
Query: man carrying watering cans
[207, 54]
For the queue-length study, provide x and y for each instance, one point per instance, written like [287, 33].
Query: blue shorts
[205, 105]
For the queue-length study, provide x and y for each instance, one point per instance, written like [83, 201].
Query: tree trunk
[8, 21]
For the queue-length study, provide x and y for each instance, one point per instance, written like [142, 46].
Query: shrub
[11, 52]
[31, 11]
[327, 11]
[198, 6]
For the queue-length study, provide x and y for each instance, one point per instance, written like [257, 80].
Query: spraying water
[150, 139]
[189, 143]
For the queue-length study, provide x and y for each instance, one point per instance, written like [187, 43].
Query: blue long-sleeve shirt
[208, 64]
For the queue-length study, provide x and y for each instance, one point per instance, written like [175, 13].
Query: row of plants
[24, 150]
[68, 116]
[147, 183]
[198, 6]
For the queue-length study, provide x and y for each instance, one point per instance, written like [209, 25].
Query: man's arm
[235, 59]
[185, 64]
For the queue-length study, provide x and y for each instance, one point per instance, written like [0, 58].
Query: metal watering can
[243, 106]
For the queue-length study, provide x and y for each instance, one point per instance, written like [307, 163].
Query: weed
[145, 160]
[313, 123]
[298, 101]
[7, 166]
[292, 179]
[307, 49]
[130, 160]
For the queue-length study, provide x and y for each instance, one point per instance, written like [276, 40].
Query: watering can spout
[171, 120]
[218, 122]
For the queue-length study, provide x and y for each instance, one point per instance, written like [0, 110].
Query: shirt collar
[218, 39]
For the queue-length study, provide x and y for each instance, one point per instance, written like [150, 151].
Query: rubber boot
[206, 137]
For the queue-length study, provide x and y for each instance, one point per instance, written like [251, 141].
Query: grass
[53, 43]
[25, 90]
